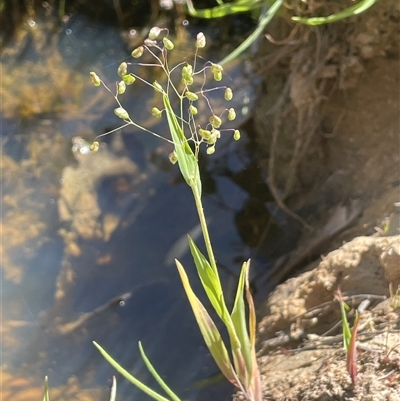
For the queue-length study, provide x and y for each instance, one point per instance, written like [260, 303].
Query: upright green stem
[226, 318]
[204, 228]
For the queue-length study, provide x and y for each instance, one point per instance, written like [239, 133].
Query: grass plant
[266, 10]
[239, 364]
[350, 335]
[356, 9]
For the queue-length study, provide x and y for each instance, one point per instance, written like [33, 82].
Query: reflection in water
[181, 246]
[88, 238]
[83, 319]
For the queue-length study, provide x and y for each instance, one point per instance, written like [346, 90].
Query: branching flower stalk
[242, 371]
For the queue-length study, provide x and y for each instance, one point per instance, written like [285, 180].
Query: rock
[362, 264]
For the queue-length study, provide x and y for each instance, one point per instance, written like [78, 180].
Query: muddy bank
[302, 354]
[329, 143]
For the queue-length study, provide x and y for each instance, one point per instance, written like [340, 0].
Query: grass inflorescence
[181, 89]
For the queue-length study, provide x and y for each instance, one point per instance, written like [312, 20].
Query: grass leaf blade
[243, 356]
[209, 331]
[358, 8]
[223, 9]
[264, 20]
[128, 376]
[255, 379]
[113, 393]
[186, 159]
[345, 324]
[46, 396]
[154, 373]
[209, 279]
[352, 353]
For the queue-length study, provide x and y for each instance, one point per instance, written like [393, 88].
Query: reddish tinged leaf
[345, 324]
[256, 379]
[243, 355]
[352, 353]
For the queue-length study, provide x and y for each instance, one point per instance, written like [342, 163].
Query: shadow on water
[89, 240]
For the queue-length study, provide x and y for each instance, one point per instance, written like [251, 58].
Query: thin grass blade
[256, 379]
[352, 354]
[128, 376]
[113, 393]
[348, 12]
[224, 9]
[264, 20]
[243, 357]
[186, 159]
[209, 331]
[252, 309]
[216, 298]
[46, 396]
[154, 373]
[210, 280]
[345, 324]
